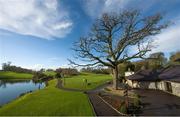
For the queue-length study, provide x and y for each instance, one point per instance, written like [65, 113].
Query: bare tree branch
[113, 34]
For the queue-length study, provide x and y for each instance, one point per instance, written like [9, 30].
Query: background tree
[113, 36]
[142, 64]
[8, 67]
[175, 58]
[126, 66]
[157, 60]
[66, 72]
[98, 70]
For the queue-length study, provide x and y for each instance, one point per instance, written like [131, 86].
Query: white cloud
[168, 40]
[95, 8]
[34, 67]
[40, 18]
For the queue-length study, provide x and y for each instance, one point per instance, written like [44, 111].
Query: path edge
[94, 112]
[112, 106]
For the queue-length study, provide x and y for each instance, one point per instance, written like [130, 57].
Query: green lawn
[49, 101]
[14, 75]
[94, 80]
[52, 73]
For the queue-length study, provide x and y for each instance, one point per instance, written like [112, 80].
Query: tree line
[8, 67]
[154, 61]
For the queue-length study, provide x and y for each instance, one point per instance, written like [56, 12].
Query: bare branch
[112, 35]
[81, 65]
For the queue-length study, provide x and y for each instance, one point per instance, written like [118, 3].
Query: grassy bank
[93, 80]
[51, 73]
[14, 75]
[49, 101]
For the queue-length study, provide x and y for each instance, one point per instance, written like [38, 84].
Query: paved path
[100, 107]
[158, 103]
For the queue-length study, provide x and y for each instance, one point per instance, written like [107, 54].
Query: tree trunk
[115, 78]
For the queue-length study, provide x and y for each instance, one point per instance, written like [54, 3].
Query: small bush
[96, 70]
[39, 76]
[136, 95]
[66, 72]
[136, 100]
[99, 93]
[107, 89]
[123, 108]
[136, 103]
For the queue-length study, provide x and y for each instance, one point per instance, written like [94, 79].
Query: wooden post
[126, 96]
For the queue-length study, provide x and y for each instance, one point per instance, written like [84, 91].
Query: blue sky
[40, 33]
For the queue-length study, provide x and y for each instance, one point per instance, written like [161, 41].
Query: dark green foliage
[58, 75]
[143, 64]
[126, 66]
[65, 72]
[13, 68]
[136, 101]
[96, 70]
[39, 76]
[175, 58]
[155, 61]
[123, 108]
[107, 89]
[99, 93]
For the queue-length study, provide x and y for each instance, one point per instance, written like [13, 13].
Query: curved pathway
[100, 107]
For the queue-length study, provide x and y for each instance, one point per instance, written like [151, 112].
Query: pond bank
[10, 90]
[49, 101]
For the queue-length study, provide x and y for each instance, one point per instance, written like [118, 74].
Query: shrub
[123, 108]
[99, 93]
[136, 100]
[58, 75]
[96, 70]
[39, 76]
[107, 89]
[88, 84]
[65, 72]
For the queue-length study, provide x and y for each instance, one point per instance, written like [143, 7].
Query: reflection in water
[10, 90]
[4, 82]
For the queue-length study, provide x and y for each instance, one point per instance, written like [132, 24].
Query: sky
[40, 33]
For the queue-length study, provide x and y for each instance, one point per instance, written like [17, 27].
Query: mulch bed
[113, 100]
[116, 103]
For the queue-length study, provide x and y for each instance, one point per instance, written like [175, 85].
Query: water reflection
[10, 89]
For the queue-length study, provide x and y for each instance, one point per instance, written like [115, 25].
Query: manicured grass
[94, 80]
[52, 73]
[14, 75]
[50, 101]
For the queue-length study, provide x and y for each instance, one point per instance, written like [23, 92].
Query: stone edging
[112, 106]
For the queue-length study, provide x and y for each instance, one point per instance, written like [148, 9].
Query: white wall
[155, 85]
[128, 73]
[175, 88]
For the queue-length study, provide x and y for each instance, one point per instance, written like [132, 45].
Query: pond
[10, 90]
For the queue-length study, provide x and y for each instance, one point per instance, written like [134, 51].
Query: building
[167, 79]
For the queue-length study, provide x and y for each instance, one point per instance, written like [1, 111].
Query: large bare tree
[116, 38]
